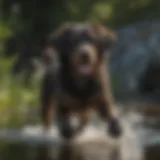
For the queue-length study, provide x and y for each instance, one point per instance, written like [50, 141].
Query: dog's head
[82, 46]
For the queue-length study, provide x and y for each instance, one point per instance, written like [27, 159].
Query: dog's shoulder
[82, 89]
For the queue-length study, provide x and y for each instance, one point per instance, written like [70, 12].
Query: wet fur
[74, 97]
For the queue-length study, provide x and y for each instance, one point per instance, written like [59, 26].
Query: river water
[141, 141]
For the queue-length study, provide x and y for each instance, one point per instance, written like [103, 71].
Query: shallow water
[141, 141]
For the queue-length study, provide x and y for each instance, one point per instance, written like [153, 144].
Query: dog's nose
[84, 56]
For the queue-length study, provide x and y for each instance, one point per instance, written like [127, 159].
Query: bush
[15, 99]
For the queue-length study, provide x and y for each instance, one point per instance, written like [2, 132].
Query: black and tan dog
[81, 81]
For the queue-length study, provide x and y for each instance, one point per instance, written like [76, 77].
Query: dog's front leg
[107, 108]
[47, 112]
[114, 127]
[84, 116]
[64, 122]
[48, 102]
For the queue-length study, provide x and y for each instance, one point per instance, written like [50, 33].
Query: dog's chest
[81, 89]
[81, 83]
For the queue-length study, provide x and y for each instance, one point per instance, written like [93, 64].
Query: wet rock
[152, 152]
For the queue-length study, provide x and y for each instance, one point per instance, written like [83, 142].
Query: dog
[81, 82]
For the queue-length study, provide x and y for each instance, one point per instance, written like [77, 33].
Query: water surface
[141, 141]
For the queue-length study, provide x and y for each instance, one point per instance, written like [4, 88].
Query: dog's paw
[115, 128]
[66, 130]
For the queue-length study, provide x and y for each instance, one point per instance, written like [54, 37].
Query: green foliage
[4, 32]
[102, 11]
[33, 20]
[14, 97]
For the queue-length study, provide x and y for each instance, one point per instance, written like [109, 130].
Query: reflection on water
[21, 151]
[141, 141]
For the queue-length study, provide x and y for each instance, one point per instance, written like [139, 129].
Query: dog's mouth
[85, 69]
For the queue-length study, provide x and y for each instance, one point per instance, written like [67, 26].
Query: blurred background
[134, 60]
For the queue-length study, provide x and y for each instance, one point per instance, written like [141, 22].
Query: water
[141, 141]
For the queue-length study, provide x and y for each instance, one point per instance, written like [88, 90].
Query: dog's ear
[103, 37]
[56, 45]
[59, 39]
